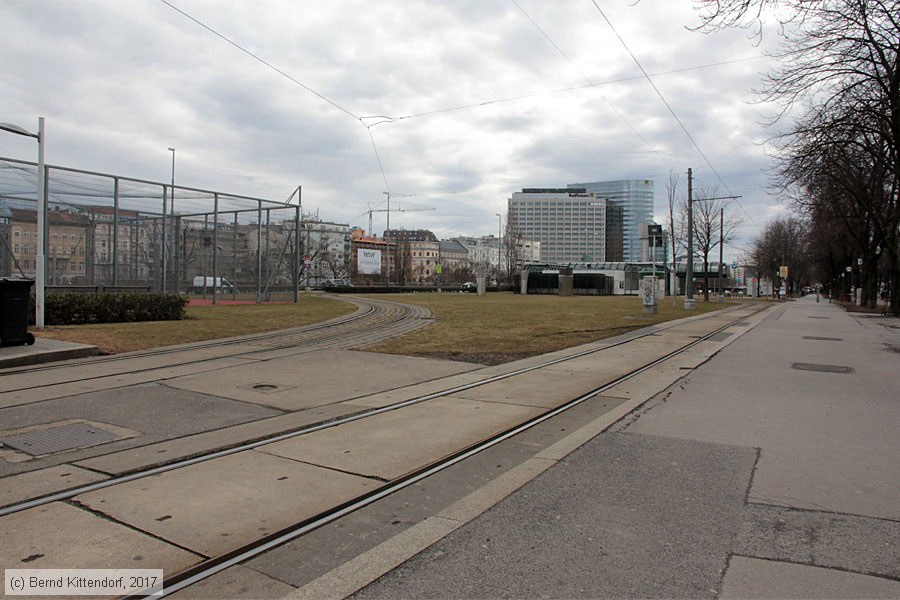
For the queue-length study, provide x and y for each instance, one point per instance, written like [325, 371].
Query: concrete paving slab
[821, 539]
[30, 391]
[61, 536]
[466, 486]
[397, 442]
[219, 505]
[237, 583]
[416, 390]
[625, 516]
[18, 488]
[150, 455]
[620, 359]
[157, 411]
[323, 377]
[43, 350]
[542, 388]
[755, 578]
[823, 435]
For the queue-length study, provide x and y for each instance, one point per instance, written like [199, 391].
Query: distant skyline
[482, 98]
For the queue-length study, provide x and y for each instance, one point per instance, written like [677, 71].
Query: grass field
[488, 329]
[497, 328]
[202, 323]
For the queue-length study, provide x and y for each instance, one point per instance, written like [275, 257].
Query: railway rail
[373, 322]
[252, 548]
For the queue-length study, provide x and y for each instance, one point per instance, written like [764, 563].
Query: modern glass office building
[631, 203]
[569, 223]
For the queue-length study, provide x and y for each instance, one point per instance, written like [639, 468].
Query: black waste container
[14, 303]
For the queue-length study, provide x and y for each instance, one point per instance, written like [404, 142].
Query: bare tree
[675, 222]
[711, 227]
[839, 63]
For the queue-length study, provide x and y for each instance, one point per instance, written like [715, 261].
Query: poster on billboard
[368, 262]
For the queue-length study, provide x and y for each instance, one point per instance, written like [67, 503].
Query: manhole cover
[39, 442]
[822, 368]
[823, 339]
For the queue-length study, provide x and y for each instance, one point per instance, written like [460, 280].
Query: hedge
[79, 309]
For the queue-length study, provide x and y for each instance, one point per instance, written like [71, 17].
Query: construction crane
[375, 210]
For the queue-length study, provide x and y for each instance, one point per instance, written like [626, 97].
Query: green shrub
[77, 309]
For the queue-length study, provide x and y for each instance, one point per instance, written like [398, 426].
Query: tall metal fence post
[259, 253]
[164, 262]
[234, 260]
[115, 240]
[215, 248]
[297, 255]
[268, 256]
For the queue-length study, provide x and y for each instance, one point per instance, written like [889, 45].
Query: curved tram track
[255, 547]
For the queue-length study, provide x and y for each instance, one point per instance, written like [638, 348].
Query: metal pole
[176, 233]
[215, 248]
[721, 247]
[297, 247]
[387, 239]
[689, 303]
[164, 261]
[499, 245]
[234, 261]
[259, 253]
[40, 273]
[268, 258]
[115, 240]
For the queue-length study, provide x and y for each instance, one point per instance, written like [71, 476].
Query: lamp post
[40, 273]
[499, 246]
[172, 210]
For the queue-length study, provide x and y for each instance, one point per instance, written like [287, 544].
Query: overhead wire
[383, 119]
[666, 103]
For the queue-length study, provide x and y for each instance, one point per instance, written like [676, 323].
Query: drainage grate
[811, 317]
[822, 368]
[39, 442]
[823, 339]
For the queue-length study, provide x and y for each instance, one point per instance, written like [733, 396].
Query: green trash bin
[14, 303]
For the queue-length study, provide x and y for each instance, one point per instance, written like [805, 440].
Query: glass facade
[631, 203]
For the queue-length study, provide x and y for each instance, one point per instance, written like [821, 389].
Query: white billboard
[368, 262]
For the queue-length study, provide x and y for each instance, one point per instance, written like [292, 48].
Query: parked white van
[201, 282]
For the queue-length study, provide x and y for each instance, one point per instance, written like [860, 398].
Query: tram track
[214, 565]
[375, 321]
[218, 563]
[363, 414]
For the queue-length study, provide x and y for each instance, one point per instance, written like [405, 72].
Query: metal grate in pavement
[40, 442]
[822, 368]
[823, 339]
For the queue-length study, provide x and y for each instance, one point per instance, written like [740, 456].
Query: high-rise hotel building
[569, 223]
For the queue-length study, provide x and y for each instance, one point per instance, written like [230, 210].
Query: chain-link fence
[106, 231]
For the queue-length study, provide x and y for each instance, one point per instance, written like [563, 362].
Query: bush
[78, 309]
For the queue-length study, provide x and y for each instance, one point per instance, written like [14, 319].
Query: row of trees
[838, 75]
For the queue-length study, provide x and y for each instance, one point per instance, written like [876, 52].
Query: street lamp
[499, 246]
[40, 274]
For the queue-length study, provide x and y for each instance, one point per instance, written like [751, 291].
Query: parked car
[468, 287]
[333, 283]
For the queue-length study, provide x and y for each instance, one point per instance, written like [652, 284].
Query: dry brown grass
[500, 327]
[489, 329]
[202, 323]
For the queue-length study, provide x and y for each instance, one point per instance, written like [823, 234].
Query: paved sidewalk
[771, 471]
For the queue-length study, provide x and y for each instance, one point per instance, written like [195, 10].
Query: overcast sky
[500, 95]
